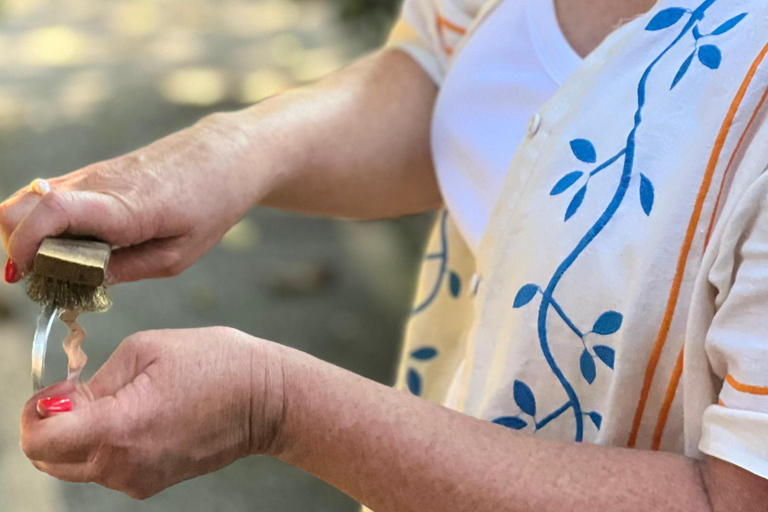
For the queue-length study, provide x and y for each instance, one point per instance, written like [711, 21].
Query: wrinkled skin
[165, 205]
[168, 406]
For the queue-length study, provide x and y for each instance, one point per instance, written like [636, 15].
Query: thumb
[60, 437]
[131, 359]
[74, 436]
[75, 212]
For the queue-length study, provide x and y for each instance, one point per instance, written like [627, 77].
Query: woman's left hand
[167, 406]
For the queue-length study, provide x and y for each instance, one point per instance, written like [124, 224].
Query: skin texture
[238, 396]
[172, 405]
[124, 433]
[167, 204]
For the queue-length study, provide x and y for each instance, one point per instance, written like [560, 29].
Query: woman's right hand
[162, 206]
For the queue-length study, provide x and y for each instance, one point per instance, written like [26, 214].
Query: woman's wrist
[253, 145]
[268, 398]
[305, 386]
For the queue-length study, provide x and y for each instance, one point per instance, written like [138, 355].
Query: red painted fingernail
[12, 274]
[50, 405]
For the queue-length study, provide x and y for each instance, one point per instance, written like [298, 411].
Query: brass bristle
[48, 291]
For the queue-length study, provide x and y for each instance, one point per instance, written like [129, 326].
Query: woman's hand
[167, 406]
[354, 145]
[164, 206]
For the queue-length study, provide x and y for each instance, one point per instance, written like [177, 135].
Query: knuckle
[173, 264]
[222, 331]
[6, 222]
[138, 342]
[56, 201]
[139, 494]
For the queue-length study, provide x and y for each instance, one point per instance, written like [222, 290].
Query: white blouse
[514, 62]
[620, 287]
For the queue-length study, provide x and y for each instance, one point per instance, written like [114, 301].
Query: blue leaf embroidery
[584, 150]
[608, 323]
[646, 194]
[576, 203]
[565, 182]
[588, 369]
[606, 355]
[710, 56]
[424, 354]
[414, 382]
[666, 18]
[682, 71]
[728, 25]
[512, 422]
[525, 295]
[596, 419]
[696, 32]
[524, 398]
[455, 282]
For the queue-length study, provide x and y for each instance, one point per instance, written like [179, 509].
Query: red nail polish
[11, 272]
[46, 406]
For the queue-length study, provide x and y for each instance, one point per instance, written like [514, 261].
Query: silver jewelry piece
[40, 345]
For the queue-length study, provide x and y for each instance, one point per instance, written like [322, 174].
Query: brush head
[70, 274]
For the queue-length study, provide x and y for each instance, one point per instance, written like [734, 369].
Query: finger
[153, 259]
[97, 412]
[130, 360]
[13, 210]
[62, 389]
[79, 473]
[75, 212]
[70, 438]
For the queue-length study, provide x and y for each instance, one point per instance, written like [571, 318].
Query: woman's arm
[354, 145]
[360, 140]
[173, 405]
[397, 453]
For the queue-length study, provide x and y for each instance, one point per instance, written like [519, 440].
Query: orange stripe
[746, 388]
[685, 250]
[447, 49]
[443, 22]
[730, 164]
[674, 381]
[721, 403]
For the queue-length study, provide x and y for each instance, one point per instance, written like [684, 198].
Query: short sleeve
[430, 30]
[736, 428]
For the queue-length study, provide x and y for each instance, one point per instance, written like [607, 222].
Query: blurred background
[86, 80]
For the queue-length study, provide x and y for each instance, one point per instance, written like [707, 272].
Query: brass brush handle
[73, 261]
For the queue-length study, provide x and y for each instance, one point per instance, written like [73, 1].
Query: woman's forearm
[397, 453]
[355, 144]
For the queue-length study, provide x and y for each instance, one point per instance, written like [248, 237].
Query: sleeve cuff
[736, 436]
[404, 38]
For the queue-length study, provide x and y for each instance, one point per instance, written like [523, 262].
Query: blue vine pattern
[454, 281]
[609, 322]
[413, 378]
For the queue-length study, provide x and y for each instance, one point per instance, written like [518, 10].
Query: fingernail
[12, 274]
[46, 406]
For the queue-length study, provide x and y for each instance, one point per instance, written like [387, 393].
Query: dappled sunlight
[244, 19]
[195, 86]
[264, 83]
[52, 46]
[64, 61]
[135, 17]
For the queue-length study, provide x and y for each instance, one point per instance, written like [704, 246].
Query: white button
[474, 285]
[534, 124]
